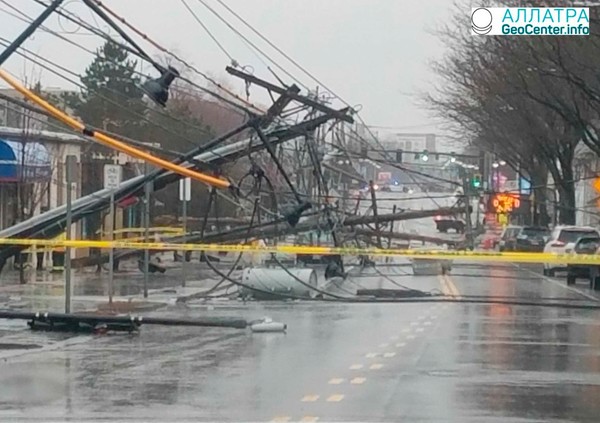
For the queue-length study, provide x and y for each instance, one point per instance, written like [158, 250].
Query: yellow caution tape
[482, 256]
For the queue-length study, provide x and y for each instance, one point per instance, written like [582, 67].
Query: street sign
[185, 189]
[113, 175]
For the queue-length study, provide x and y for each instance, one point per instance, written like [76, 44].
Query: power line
[214, 12]
[197, 19]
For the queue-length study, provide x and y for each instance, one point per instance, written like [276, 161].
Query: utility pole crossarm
[341, 115]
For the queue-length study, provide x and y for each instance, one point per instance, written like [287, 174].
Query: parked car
[508, 238]
[562, 240]
[531, 239]
[445, 223]
[585, 245]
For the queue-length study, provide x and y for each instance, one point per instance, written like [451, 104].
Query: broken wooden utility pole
[374, 206]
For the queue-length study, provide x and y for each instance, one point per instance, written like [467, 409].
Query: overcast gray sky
[370, 52]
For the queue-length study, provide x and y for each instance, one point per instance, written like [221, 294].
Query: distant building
[15, 116]
[411, 144]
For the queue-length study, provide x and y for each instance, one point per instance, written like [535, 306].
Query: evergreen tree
[112, 98]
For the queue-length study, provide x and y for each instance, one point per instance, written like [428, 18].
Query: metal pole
[111, 252]
[146, 233]
[184, 223]
[28, 31]
[68, 249]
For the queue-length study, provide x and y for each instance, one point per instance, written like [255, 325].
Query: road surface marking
[376, 366]
[410, 337]
[452, 286]
[371, 355]
[335, 398]
[389, 354]
[405, 330]
[420, 330]
[309, 419]
[384, 345]
[356, 367]
[427, 323]
[394, 337]
[445, 289]
[358, 380]
[309, 398]
[281, 419]
[414, 323]
[400, 344]
[335, 381]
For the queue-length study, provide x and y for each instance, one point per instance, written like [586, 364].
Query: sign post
[185, 195]
[71, 173]
[113, 175]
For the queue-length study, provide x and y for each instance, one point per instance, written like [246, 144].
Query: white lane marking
[394, 337]
[309, 398]
[414, 323]
[389, 354]
[427, 323]
[400, 344]
[384, 345]
[335, 398]
[410, 337]
[375, 366]
[281, 419]
[358, 380]
[335, 381]
[419, 330]
[405, 330]
[371, 355]
[356, 367]
[308, 419]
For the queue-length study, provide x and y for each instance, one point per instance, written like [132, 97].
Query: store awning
[27, 162]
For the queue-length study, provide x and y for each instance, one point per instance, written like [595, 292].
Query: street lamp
[158, 89]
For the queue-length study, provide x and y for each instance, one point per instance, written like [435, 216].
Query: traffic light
[425, 155]
[476, 181]
[398, 156]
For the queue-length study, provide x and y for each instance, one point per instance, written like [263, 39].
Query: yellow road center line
[281, 419]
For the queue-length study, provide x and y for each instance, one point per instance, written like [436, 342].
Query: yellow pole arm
[111, 142]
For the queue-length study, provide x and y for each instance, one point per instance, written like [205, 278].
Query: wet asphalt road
[337, 362]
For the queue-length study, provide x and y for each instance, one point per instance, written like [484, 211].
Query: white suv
[562, 240]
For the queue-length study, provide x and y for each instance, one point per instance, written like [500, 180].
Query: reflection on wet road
[337, 362]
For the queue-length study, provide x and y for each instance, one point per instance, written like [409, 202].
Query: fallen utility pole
[89, 323]
[273, 229]
[408, 237]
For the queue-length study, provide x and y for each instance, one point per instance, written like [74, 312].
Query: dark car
[531, 239]
[508, 238]
[585, 245]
